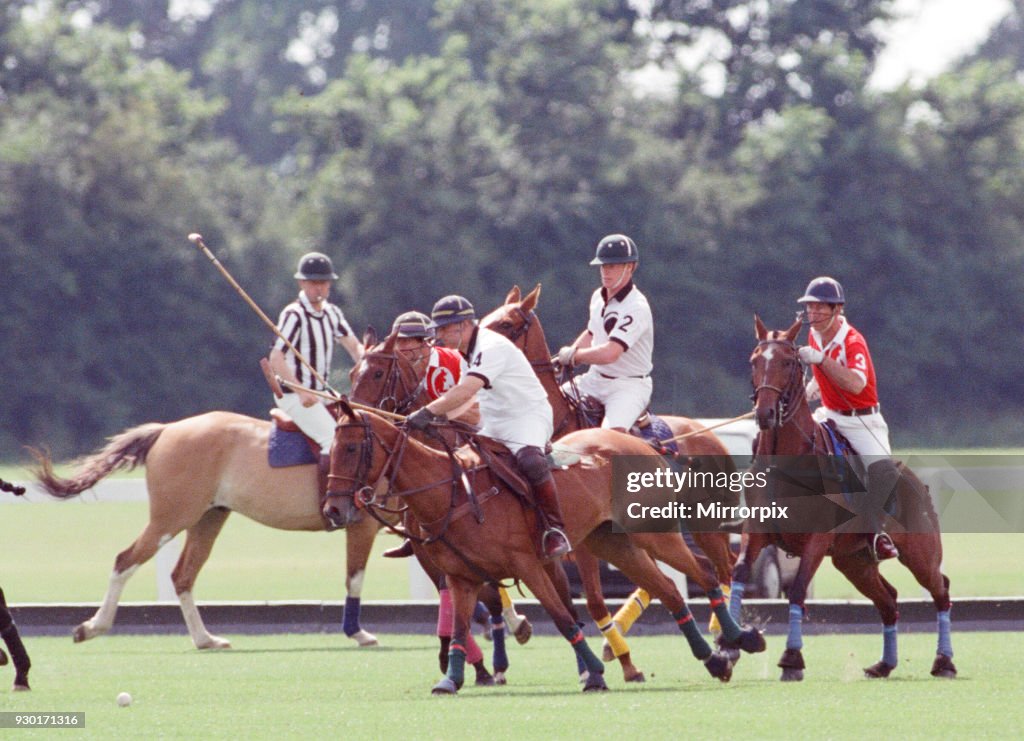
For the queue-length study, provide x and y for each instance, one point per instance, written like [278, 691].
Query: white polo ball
[124, 700]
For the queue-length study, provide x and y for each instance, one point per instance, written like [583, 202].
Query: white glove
[810, 355]
[812, 390]
[566, 356]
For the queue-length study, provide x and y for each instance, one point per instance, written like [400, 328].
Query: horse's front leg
[792, 660]
[464, 597]
[9, 633]
[359, 537]
[615, 646]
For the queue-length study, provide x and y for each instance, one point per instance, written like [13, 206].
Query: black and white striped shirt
[313, 334]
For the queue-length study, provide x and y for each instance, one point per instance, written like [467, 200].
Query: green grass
[64, 552]
[317, 686]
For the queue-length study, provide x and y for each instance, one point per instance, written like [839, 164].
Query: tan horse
[517, 321]
[500, 541]
[198, 471]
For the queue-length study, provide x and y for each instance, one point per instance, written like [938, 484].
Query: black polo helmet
[451, 309]
[315, 266]
[823, 290]
[413, 324]
[616, 249]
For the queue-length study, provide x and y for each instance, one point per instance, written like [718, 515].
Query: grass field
[64, 552]
[320, 686]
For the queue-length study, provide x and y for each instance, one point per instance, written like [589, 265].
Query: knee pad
[533, 464]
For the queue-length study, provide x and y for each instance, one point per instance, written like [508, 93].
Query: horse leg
[615, 645]
[359, 537]
[463, 595]
[922, 555]
[716, 547]
[9, 632]
[638, 566]
[198, 544]
[516, 622]
[864, 575]
[670, 548]
[492, 600]
[792, 660]
[126, 563]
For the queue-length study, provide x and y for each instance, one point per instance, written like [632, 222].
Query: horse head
[359, 459]
[516, 320]
[776, 375]
[388, 378]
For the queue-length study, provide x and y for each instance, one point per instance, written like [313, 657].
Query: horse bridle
[790, 396]
[394, 377]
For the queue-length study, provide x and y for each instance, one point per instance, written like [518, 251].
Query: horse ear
[345, 407]
[530, 302]
[389, 341]
[760, 330]
[369, 337]
[513, 296]
[793, 331]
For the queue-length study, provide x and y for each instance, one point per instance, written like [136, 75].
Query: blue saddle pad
[657, 431]
[288, 449]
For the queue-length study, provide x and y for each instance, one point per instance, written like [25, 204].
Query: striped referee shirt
[313, 334]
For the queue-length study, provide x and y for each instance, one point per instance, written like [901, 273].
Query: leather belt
[862, 412]
[616, 378]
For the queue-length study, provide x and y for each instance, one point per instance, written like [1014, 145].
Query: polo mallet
[701, 431]
[197, 239]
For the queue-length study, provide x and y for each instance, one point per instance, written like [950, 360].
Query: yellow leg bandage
[506, 601]
[611, 633]
[632, 609]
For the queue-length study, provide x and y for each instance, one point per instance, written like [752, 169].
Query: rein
[791, 396]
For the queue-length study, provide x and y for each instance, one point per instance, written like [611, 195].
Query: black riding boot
[883, 479]
[554, 542]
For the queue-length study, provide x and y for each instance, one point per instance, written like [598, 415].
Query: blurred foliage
[466, 146]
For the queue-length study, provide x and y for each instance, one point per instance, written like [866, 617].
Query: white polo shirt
[626, 319]
[514, 407]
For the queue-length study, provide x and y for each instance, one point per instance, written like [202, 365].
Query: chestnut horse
[8, 630]
[788, 429]
[517, 320]
[492, 536]
[199, 470]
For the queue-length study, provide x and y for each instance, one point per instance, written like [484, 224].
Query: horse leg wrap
[795, 641]
[473, 652]
[699, 647]
[445, 615]
[889, 655]
[611, 633]
[631, 609]
[506, 601]
[730, 629]
[457, 664]
[736, 600]
[350, 620]
[945, 628]
[500, 658]
[583, 653]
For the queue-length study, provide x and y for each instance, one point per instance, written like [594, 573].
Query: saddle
[290, 446]
[648, 427]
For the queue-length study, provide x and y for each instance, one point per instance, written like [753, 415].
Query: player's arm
[457, 396]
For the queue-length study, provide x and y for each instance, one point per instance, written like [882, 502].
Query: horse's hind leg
[717, 550]
[9, 632]
[865, 575]
[464, 597]
[615, 645]
[125, 565]
[922, 555]
[359, 537]
[198, 544]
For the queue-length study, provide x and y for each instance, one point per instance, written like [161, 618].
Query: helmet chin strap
[620, 282]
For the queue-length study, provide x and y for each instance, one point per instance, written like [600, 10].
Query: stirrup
[560, 549]
[883, 547]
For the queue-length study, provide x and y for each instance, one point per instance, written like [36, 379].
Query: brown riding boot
[399, 551]
[554, 542]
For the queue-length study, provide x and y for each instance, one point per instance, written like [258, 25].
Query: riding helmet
[616, 249]
[315, 266]
[451, 309]
[823, 290]
[413, 324]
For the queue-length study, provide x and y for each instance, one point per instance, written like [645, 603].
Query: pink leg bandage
[445, 615]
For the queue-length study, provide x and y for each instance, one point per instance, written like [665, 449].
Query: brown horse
[493, 535]
[788, 429]
[199, 470]
[517, 320]
[8, 630]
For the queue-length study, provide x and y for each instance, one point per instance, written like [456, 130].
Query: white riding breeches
[315, 421]
[624, 399]
[534, 429]
[869, 434]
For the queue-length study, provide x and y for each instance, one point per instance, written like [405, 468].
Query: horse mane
[122, 452]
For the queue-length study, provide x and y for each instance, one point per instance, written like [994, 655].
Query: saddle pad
[655, 432]
[288, 449]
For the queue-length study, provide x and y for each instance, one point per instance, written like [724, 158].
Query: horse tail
[122, 452]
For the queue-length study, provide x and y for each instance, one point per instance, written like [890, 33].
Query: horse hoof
[792, 675]
[364, 639]
[881, 670]
[719, 666]
[523, 631]
[943, 667]
[595, 683]
[485, 680]
[606, 652]
[20, 688]
[444, 687]
[752, 641]
[80, 634]
[214, 643]
[500, 678]
[637, 677]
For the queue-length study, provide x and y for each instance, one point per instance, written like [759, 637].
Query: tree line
[463, 146]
